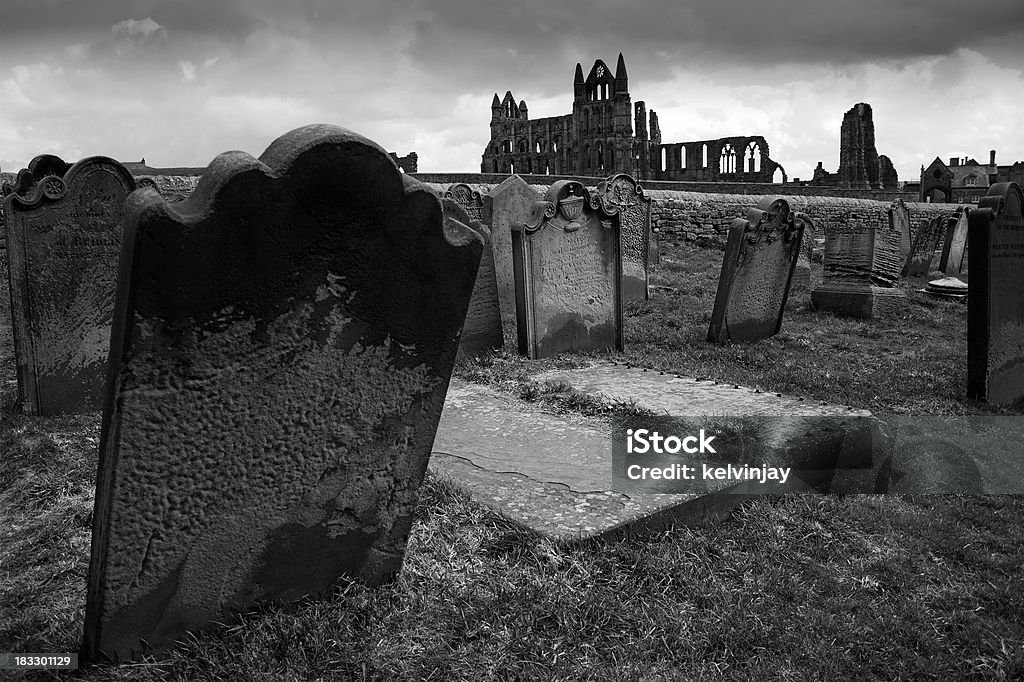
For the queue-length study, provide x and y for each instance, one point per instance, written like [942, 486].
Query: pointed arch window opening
[752, 158]
[727, 161]
[704, 156]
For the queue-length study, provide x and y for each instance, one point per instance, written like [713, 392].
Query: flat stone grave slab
[551, 473]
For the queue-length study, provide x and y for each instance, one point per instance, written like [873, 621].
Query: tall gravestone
[568, 274]
[621, 192]
[803, 275]
[995, 300]
[926, 241]
[505, 207]
[899, 221]
[955, 244]
[760, 259]
[281, 349]
[861, 271]
[64, 240]
[482, 330]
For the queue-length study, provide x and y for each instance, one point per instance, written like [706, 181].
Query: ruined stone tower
[858, 158]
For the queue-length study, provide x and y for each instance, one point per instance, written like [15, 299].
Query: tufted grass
[865, 587]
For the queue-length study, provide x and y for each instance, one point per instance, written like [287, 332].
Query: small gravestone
[995, 303]
[280, 354]
[955, 243]
[804, 273]
[760, 258]
[622, 193]
[471, 201]
[568, 274]
[506, 206]
[899, 221]
[929, 233]
[64, 241]
[482, 330]
[861, 271]
[653, 252]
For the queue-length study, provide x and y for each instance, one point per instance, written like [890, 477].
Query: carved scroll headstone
[482, 330]
[505, 206]
[995, 300]
[929, 234]
[861, 271]
[64, 241]
[955, 244]
[281, 350]
[760, 259]
[568, 274]
[471, 201]
[621, 192]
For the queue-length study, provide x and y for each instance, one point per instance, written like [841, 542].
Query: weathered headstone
[64, 241]
[471, 201]
[621, 192]
[861, 271]
[926, 240]
[653, 252]
[760, 258]
[954, 245]
[482, 330]
[995, 302]
[803, 275]
[506, 206]
[899, 221]
[282, 345]
[568, 274]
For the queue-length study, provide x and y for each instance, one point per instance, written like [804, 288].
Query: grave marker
[505, 206]
[929, 232]
[803, 275]
[282, 345]
[471, 201]
[482, 330]
[64, 241]
[568, 274]
[955, 243]
[760, 259]
[995, 300]
[621, 192]
[899, 221]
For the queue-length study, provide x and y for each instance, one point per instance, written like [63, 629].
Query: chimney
[954, 161]
[992, 157]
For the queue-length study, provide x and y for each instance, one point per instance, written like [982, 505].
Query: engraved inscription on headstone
[505, 206]
[282, 345]
[64, 241]
[760, 258]
[471, 201]
[995, 300]
[482, 330]
[955, 243]
[621, 192]
[568, 274]
[925, 242]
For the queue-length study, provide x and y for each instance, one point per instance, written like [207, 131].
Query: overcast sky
[179, 82]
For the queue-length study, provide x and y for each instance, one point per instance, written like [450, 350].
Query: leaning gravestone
[995, 304]
[925, 242]
[899, 221]
[506, 206]
[804, 273]
[953, 247]
[281, 349]
[482, 330]
[622, 193]
[64, 241]
[760, 259]
[568, 274]
[861, 271]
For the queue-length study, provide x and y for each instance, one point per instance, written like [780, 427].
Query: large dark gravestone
[861, 271]
[64, 239]
[482, 330]
[622, 193]
[568, 274]
[506, 206]
[926, 241]
[760, 259]
[281, 349]
[995, 300]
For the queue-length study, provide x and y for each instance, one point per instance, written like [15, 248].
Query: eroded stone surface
[995, 306]
[482, 330]
[926, 241]
[568, 290]
[506, 206]
[757, 270]
[899, 221]
[622, 193]
[64, 240]
[281, 350]
[861, 271]
[955, 244]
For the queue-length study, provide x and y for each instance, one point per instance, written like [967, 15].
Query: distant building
[598, 138]
[860, 165]
[964, 180]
